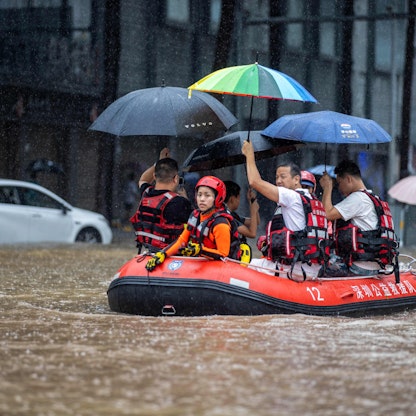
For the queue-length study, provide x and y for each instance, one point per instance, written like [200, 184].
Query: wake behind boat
[192, 286]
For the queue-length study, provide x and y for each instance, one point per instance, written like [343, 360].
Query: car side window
[35, 198]
[9, 195]
[3, 198]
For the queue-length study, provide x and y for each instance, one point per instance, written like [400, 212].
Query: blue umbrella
[319, 170]
[327, 127]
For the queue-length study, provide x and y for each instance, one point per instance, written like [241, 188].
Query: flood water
[63, 352]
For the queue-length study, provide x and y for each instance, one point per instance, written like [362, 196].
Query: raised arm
[331, 212]
[255, 181]
[249, 228]
[148, 174]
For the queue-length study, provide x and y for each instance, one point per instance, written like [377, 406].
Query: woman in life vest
[208, 232]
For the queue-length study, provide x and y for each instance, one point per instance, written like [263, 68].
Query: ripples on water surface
[63, 352]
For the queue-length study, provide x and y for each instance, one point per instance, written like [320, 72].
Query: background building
[63, 61]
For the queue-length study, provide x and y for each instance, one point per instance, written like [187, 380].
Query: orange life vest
[201, 231]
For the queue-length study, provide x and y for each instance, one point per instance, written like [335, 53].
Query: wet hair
[294, 169]
[347, 167]
[233, 189]
[166, 169]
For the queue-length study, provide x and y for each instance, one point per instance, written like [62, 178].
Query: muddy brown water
[63, 352]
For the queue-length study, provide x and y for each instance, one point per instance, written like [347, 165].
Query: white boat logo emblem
[175, 265]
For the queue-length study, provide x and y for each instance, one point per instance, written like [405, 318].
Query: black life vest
[152, 229]
[310, 245]
[380, 245]
[201, 231]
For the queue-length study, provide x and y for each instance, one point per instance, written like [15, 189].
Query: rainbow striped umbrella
[253, 81]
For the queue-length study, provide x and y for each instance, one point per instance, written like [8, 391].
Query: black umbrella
[164, 111]
[226, 151]
[44, 165]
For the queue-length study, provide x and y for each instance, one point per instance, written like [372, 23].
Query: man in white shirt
[356, 206]
[290, 205]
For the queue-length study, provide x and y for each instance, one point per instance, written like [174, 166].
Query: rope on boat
[318, 279]
[404, 267]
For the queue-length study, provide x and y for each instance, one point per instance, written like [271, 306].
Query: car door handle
[37, 216]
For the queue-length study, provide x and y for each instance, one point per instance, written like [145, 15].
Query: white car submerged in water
[30, 213]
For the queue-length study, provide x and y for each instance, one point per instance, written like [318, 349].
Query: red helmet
[307, 179]
[217, 185]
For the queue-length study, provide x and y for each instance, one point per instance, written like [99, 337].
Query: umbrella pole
[326, 144]
[249, 119]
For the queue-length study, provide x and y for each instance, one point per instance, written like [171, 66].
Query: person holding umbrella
[297, 234]
[162, 211]
[364, 232]
[247, 227]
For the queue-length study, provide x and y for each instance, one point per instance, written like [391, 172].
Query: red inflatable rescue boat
[189, 286]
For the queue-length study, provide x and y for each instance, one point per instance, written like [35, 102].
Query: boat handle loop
[168, 310]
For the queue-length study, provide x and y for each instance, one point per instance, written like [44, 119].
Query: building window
[215, 15]
[177, 11]
[295, 30]
[389, 32]
[80, 9]
[327, 30]
[54, 39]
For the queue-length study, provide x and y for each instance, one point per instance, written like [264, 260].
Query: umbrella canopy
[404, 190]
[327, 127]
[254, 81]
[226, 151]
[319, 170]
[164, 111]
